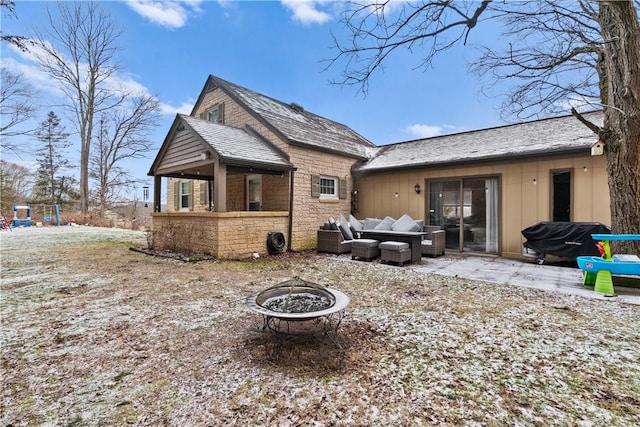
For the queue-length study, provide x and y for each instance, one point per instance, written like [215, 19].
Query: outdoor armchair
[434, 242]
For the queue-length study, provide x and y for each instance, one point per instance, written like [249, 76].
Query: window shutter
[190, 186]
[203, 193]
[342, 191]
[315, 185]
[221, 114]
[176, 196]
[202, 115]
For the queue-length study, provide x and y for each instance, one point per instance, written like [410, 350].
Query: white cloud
[423, 131]
[31, 74]
[306, 11]
[122, 82]
[184, 108]
[169, 14]
[427, 131]
[580, 103]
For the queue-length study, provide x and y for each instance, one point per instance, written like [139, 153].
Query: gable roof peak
[292, 122]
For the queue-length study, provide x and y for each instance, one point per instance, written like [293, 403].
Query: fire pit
[298, 300]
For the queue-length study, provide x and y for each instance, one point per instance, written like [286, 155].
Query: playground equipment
[598, 271]
[25, 222]
[48, 214]
[4, 222]
[48, 211]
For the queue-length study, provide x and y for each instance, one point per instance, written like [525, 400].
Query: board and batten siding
[526, 188]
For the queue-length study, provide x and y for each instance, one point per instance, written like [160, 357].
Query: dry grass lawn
[95, 334]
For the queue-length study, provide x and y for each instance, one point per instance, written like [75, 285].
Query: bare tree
[123, 134]
[16, 107]
[558, 53]
[9, 9]
[78, 51]
[15, 185]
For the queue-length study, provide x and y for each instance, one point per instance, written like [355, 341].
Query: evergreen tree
[51, 186]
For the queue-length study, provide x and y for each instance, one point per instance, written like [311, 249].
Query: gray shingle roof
[233, 145]
[300, 126]
[540, 137]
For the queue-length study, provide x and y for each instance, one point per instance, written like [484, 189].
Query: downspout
[290, 231]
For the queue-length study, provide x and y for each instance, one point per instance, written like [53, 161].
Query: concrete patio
[558, 277]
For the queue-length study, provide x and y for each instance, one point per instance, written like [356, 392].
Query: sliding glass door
[467, 209]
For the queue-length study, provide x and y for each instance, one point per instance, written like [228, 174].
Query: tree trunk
[620, 95]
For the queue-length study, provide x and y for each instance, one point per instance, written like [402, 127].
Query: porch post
[219, 186]
[157, 190]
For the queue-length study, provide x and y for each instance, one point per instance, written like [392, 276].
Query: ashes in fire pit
[298, 303]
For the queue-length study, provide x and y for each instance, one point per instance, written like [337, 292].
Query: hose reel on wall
[275, 242]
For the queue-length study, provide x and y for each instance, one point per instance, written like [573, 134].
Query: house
[243, 165]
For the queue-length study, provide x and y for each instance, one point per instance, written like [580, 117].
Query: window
[328, 187]
[185, 191]
[183, 195]
[214, 114]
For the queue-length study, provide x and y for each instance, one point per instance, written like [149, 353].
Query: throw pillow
[386, 224]
[344, 228]
[354, 223]
[405, 224]
[332, 224]
[371, 223]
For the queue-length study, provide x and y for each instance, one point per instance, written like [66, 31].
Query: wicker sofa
[337, 242]
[434, 242]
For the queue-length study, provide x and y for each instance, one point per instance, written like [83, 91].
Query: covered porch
[226, 190]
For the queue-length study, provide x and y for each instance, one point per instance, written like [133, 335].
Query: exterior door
[254, 192]
[467, 210]
[561, 195]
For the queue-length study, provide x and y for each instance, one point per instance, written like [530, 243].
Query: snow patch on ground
[93, 333]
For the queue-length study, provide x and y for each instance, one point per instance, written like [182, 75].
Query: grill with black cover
[563, 239]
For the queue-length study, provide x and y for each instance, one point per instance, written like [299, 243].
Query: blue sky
[278, 49]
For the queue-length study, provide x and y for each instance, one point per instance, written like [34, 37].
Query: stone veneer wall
[311, 212]
[236, 196]
[230, 235]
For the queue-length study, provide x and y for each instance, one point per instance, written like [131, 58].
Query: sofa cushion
[343, 224]
[332, 224]
[386, 224]
[370, 223]
[355, 224]
[365, 243]
[404, 224]
[394, 246]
